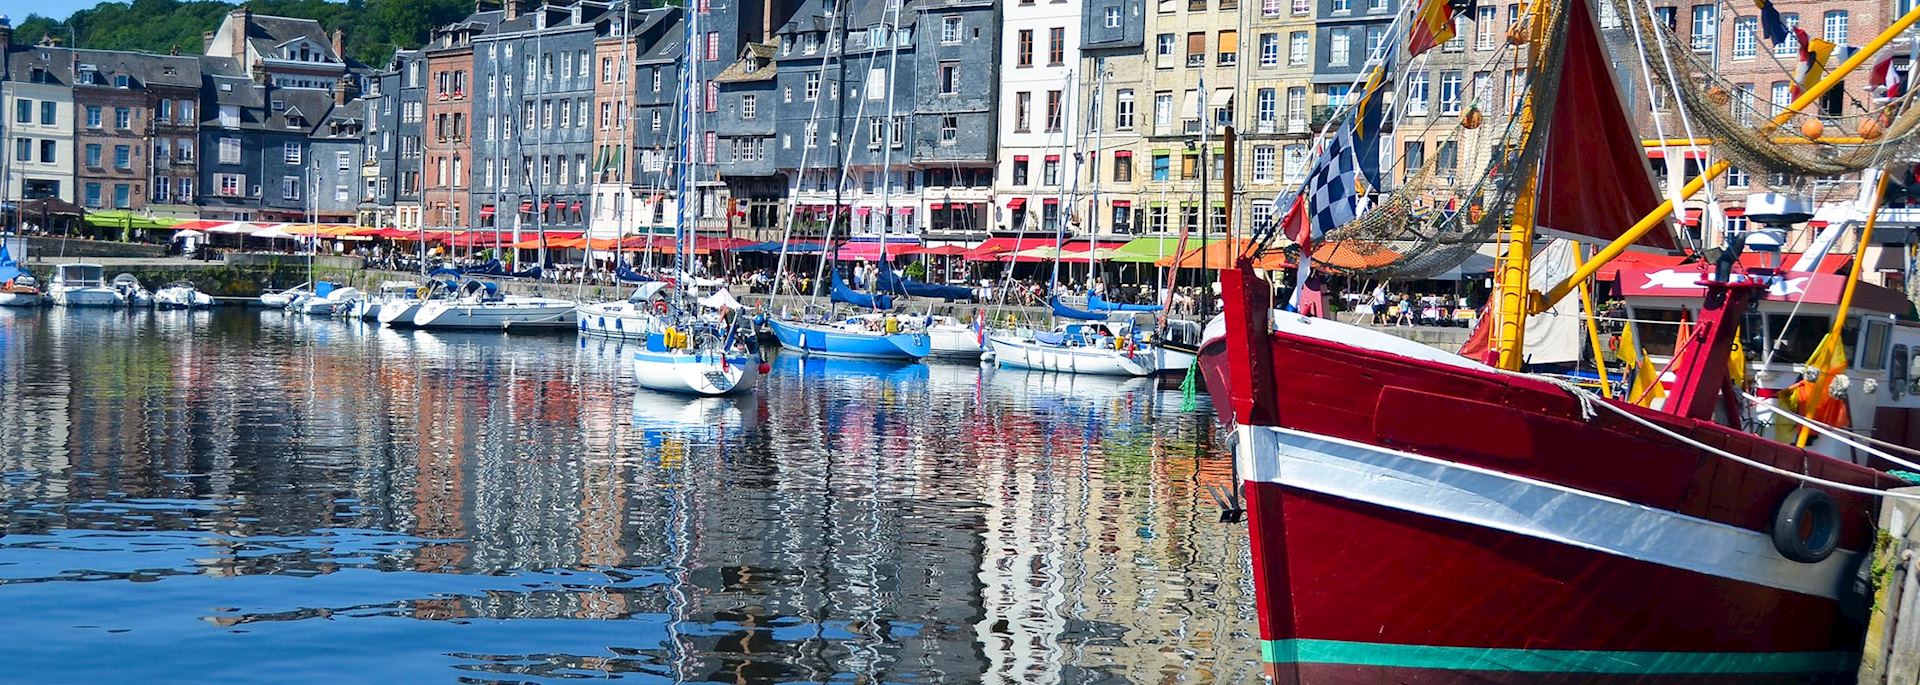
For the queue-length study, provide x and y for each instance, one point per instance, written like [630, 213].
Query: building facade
[447, 154]
[38, 96]
[533, 119]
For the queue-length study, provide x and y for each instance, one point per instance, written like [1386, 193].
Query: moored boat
[181, 295]
[480, 305]
[281, 299]
[865, 337]
[83, 285]
[17, 287]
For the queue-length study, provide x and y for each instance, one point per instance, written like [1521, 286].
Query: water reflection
[213, 494]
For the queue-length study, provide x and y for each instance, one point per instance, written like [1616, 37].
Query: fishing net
[1738, 124]
[1425, 239]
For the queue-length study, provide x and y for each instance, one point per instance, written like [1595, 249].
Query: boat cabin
[80, 275]
[1782, 331]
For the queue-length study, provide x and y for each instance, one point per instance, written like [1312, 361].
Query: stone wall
[51, 250]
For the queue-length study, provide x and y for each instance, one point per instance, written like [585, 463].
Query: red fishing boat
[1420, 517]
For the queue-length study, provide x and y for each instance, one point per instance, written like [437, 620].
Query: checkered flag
[1331, 198]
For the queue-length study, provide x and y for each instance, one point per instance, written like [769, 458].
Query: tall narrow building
[1044, 123]
[449, 114]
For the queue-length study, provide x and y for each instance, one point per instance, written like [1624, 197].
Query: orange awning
[1216, 255]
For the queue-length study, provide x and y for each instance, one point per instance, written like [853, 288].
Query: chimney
[206, 41]
[340, 86]
[340, 44]
[511, 8]
[259, 73]
[242, 25]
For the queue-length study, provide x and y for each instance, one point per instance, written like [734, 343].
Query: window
[812, 86]
[1341, 6]
[1269, 49]
[1450, 82]
[229, 150]
[1123, 166]
[1162, 165]
[713, 97]
[1298, 48]
[1266, 110]
[1050, 171]
[655, 124]
[1737, 177]
[1023, 49]
[713, 45]
[1833, 26]
[1791, 46]
[1417, 93]
[1270, 8]
[92, 198]
[229, 184]
[1157, 218]
[122, 118]
[1746, 41]
[1782, 96]
[291, 153]
[1376, 37]
[122, 193]
[92, 155]
[1197, 49]
[1113, 17]
[93, 114]
[23, 111]
[749, 106]
[1163, 112]
[1229, 49]
[1486, 30]
[290, 187]
[1669, 16]
[1297, 109]
[950, 30]
[184, 147]
[1414, 157]
[1163, 50]
[949, 129]
[1020, 164]
[1022, 111]
[1056, 46]
[1705, 28]
[1444, 159]
[1263, 161]
[123, 157]
[949, 77]
[47, 112]
[1743, 103]
[1190, 165]
[1338, 45]
[1054, 98]
[1123, 109]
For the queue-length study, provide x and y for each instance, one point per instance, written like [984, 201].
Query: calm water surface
[253, 497]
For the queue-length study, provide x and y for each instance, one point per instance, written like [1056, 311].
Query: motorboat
[131, 292]
[632, 318]
[181, 295]
[281, 299]
[481, 305]
[399, 293]
[1110, 348]
[326, 298]
[83, 285]
[952, 338]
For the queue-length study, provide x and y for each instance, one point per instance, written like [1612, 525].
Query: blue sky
[58, 9]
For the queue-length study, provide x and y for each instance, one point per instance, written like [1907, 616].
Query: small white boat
[181, 295]
[283, 298]
[325, 300]
[955, 339]
[131, 292]
[1107, 348]
[699, 357]
[83, 285]
[397, 293]
[632, 318]
[479, 305]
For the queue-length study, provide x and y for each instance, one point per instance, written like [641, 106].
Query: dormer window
[121, 81]
[169, 71]
[296, 121]
[279, 105]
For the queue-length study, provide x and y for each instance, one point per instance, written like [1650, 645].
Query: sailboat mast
[1513, 273]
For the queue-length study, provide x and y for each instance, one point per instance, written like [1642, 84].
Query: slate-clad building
[955, 130]
[627, 46]
[533, 118]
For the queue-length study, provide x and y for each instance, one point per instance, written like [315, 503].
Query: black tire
[1818, 514]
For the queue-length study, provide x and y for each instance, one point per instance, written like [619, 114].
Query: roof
[143, 69]
[755, 65]
[57, 63]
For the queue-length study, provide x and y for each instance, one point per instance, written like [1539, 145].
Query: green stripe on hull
[1553, 660]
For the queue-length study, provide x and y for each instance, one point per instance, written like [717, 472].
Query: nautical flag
[1885, 81]
[1369, 113]
[1432, 25]
[1328, 201]
[980, 327]
[1813, 61]
[1771, 24]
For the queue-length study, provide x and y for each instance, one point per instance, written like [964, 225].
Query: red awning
[937, 206]
[578, 205]
[1123, 153]
[863, 211]
[1123, 203]
[1053, 158]
[1657, 153]
[486, 210]
[1016, 204]
[1692, 217]
[526, 206]
[1019, 158]
[870, 251]
[1735, 211]
[1051, 201]
[995, 246]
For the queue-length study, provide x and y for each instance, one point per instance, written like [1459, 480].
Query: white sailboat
[481, 305]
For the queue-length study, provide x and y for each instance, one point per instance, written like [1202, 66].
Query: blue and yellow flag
[1369, 115]
[1432, 25]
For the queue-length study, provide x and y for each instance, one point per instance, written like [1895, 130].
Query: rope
[1588, 400]
[1825, 430]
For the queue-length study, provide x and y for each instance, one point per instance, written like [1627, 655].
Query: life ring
[1806, 527]
[659, 306]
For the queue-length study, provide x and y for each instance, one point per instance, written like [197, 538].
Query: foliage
[916, 271]
[374, 28]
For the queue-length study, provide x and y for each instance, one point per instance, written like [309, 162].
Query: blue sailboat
[1096, 304]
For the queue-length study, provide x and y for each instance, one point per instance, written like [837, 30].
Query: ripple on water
[248, 495]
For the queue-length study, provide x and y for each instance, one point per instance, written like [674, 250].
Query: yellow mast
[1833, 340]
[1513, 274]
[1659, 214]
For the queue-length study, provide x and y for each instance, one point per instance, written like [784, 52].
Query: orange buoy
[1812, 129]
[1520, 33]
[1871, 128]
[1472, 118]
[1718, 96]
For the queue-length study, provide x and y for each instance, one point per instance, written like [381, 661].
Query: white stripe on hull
[1523, 506]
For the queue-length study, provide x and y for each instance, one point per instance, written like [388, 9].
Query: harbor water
[247, 496]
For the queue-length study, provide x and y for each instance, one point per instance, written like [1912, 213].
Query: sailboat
[17, 287]
[878, 333]
[1417, 515]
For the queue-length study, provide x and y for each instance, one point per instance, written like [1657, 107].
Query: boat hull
[499, 315]
[695, 374]
[621, 320]
[1020, 353]
[20, 299]
[88, 297]
[954, 342]
[400, 314]
[815, 340]
[1422, 519]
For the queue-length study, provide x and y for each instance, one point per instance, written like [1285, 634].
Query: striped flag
[1885, 81]
[1432, 25]
[1813, 61]
[1771, 24]
[1369, 114]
